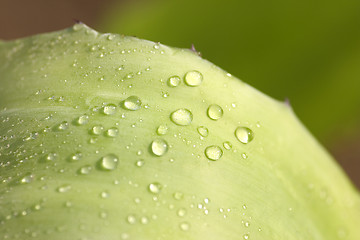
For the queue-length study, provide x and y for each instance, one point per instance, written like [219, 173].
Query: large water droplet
[215, 112]
[203, 131]
[244, 134]
[213, 152]
[159, 147]
[132, 103]
[193, 78]
[109, 109]
[112, 132]
[109, 162]
[155, 187]
[181, 117]
[174, 81]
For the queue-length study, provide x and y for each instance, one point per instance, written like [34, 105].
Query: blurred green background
[306, 51]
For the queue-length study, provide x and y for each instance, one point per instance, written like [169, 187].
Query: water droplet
[244, 134]
[112, 132]
[109, 109]
[97, 130]
[132, 103]
[155, 187]
[82, 120]
[203, 131]
[246, 224]
[162, 130]
[104, 194]
[76, 156]
[181, 117]
[131, 219]
[227, 145]
[185, 226]
[63, 126]
[51, 157]
[215, 112]
[144, 220]
[85, 170]
[244, 156]
[140, 163]
[213, 152]
[159, 147]
[27, 178]
[103, 214]
[109, 162]
[193, 78]
[174, 81]
[246, 236]
[181, 212]
[64, 188]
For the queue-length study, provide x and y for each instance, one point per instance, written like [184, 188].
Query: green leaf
[307, 51]
[111, 137]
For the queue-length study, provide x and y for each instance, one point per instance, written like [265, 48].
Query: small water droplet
[193, 78]
[178, 195]
[246, 236]
[227, 145]
[132, 103]
[159, 147]
[76, 156]
[97, 130]
[109, 162]
[246, 224]
[104, 194]
[140, 163]
[181, 117]
[244, 134]
[244, 156]
[155, 188]
[82, 120]
[174, 81]
[213, 152]
[215, 112]
[85, 170]
[162, 130]
[203, 131]
[51, 156]
[181, 212]
[112, 132]
[144, 220]
[109, 109]
[185, 226]
[111, 37]
[27, 178]
[131, 219]
[64, 188]
[63, 126]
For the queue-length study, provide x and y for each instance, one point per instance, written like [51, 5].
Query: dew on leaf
[184, 226]
[193, 78]
[174, 81]
[97, 130]
[203, 131]
[215, 112]
[227, 145]
[64, 188]
[82, 120]
[159, 147]
[109, 109]
[155, 187]
[63, 126]
[181, 117]
[213, 152]
[112, 132]
[85, 170]
[108, 162]
[244, 134]
[162, 130]
[132, 103]
[75, 157]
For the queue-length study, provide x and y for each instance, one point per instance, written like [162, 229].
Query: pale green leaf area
[110, 137]
[307, 51]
